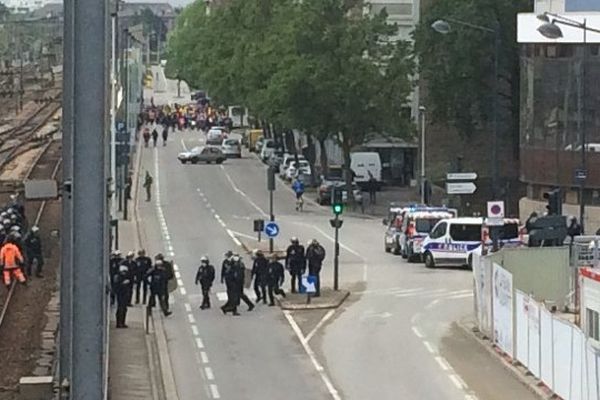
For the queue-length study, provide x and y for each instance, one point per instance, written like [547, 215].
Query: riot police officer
[205, 277]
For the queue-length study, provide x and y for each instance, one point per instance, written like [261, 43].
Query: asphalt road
[393, 338]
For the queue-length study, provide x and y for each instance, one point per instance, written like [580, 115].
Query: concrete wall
[591, 220]
[543, 273]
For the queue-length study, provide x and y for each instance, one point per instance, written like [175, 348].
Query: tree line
[328, 68]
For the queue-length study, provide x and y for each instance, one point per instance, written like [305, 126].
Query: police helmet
[130, 254]
[159, 256]
[204, 259]
[123, 268]
[294, 240]
[15, 228]
[159, 263]
[142, 252]
[35, 229]
[6, 222]
[236, 258]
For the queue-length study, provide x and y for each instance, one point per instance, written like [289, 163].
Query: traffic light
[337, 202]
[554, 198]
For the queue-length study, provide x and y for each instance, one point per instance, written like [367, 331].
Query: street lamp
[550, 29]
[422, 110]
[443, 26]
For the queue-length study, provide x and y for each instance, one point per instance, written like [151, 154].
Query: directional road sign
[461, 188]
[461, 176]
[580, 175]
[271, 229]
[308, 284]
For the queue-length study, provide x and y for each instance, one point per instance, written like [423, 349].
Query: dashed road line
[429, 347]
[182, 291]
[188, 307]
[204, 357]
[442, 363]
[195, 330]
[417, 332]
[457, 381]
[199, 343]
[209, 373]
[191, 319]
[214, 391]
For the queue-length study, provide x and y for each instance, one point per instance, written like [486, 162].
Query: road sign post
[271, 189]
[259, 226]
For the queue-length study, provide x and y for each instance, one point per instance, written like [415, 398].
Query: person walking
[315, 254]
[372, 183]
[123, 293]
[205, 276]
[228, 277]
[165, 136]
[275, 278]
[169, 274]
[158, 282]
[154, 136]
[11, 262]
[33, 249]
[260, 271]
[143, 264]
[240, 276]
[129, 262]
[148, 185]
[113, 266]
[295, 262]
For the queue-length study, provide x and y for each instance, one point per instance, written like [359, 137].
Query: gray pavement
[391, 339]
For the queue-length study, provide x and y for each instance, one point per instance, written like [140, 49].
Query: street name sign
[461, 188]
[271, 229]
[461, 176]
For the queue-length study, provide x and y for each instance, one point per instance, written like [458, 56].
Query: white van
[454, 241]
[364, 162]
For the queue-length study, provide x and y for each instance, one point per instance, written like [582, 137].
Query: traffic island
[299, 301]
[251, 245]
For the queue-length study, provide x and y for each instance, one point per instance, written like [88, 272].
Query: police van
[408, 226]
[454, 241]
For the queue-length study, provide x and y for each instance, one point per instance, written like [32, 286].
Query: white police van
[454, 241]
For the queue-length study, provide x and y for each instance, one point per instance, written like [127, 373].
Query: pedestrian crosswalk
[400, 292]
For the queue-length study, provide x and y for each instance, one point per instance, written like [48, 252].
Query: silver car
[205, 154]
[232, 148]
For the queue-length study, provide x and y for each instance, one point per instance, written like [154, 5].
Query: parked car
[268, 148]
[285, 163]
[363, 164]
[215, 136]
[302, 168]
[205, 154]
[259, 144]
[324, 191]
[232, 148]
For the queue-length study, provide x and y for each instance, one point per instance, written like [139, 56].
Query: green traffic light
[337, 209]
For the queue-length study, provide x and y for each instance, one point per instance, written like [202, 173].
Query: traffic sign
[495, 209]
[259, 225]
[271, 229]
[460, 188]
[580, 175]
[461, 176]
[308, 284]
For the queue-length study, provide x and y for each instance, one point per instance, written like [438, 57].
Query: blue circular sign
[271, 229]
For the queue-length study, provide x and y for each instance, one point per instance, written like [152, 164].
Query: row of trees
[325, 67]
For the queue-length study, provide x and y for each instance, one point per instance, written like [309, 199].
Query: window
[425, 225]
[465, 232]
[506, 231]
[438, 231]
[592, 323]
[392, 9]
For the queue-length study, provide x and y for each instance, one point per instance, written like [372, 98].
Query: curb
[533, 384]
[324, 306]
[163, 363]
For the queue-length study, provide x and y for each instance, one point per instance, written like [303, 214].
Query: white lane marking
[458, 382]
[182, 291]
[223, 224]
[424, 293]
[432, 304]
[243, 235]
[177, 273]
[204, 357]
[179, 282]
[195, 330]
[209, 373]
[459, 296]
[183, 145]
[324, 377]
[171, 254]
[417, 332]
[188, 307]
[191, 319]
[395, 290]
[443, 363]
[199, 343]
[214, 391]
[233, 237]
[320, 324]
[429, 347]
[217, 216]
[244, 195]
[222, 296]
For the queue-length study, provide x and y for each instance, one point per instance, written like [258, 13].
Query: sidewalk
[132, 373]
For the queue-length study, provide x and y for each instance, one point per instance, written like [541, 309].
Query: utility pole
[423, 181]
[66, 235]
[337, 205]
[89, 187]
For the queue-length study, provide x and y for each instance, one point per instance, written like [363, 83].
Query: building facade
[560, 99]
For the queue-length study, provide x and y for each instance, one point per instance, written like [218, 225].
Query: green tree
[457, 68]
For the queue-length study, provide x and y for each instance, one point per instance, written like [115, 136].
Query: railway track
[46, 166]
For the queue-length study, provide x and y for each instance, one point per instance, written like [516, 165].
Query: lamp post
[550, 29]
[422, 110]
[443, 27]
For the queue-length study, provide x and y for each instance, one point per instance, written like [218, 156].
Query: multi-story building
[559, 118]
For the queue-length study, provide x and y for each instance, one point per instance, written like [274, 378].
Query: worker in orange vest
[11, 260]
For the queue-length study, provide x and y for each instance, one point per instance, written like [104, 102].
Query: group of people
[143, 276]
[20, 247]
